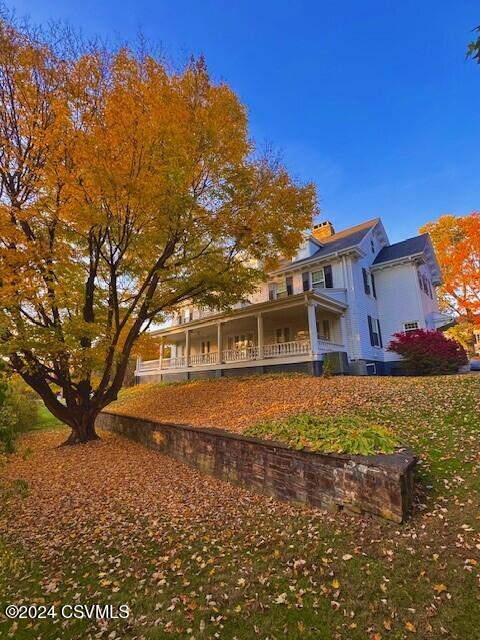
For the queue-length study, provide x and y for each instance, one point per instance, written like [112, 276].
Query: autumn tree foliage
[457, 244]
[125, 189]
[428, 352]
[473, 49]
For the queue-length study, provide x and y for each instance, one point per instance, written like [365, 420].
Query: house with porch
[339, 300]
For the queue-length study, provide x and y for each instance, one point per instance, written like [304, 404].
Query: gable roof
[341, 241]
[403, 249]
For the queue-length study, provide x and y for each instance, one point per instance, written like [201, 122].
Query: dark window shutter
[379, 333]
[366, 286]
[306, 280]
[327, 271]
[374, 291]
[289, 283]
[370, 330]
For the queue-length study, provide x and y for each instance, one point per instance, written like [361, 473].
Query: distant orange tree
[125, 189]
[457, 244]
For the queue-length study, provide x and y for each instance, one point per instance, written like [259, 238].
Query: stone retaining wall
[381, 485]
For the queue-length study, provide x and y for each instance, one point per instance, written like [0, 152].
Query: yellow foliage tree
[125, 189]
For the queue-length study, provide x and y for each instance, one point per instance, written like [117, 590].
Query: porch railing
[148, 365]
[203, 358]
[327, 345]
[282, 349]
[174, 363]
[245, 353]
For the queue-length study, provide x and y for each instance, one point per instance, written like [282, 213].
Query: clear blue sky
[371, 100]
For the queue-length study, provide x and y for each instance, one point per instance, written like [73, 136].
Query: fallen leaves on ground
[194, 557]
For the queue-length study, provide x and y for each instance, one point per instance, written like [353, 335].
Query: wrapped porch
[297, 329]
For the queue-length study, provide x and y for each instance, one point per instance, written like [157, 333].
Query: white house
[344, 294]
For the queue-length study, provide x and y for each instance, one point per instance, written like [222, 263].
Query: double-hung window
[322, 278]
[282, 289]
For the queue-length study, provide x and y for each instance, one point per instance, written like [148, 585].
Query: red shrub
[427, 352]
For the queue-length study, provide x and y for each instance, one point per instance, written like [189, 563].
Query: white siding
[399, 300]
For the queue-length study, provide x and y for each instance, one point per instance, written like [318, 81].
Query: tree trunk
[83, 431]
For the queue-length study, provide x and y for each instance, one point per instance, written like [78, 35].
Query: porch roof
[323, 300]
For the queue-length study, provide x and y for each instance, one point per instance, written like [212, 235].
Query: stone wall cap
[400, 461]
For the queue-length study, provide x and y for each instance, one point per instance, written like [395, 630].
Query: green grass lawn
[112, 522]
[46, 420]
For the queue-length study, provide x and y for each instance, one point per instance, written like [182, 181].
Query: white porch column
[260, 335]
[139, 360]
[220, 342]
[160, 357]
[187, 348]
[312, 327]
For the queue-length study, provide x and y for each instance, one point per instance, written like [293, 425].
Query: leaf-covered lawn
[194, 557]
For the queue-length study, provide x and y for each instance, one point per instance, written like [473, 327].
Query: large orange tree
[125, 189]
[457, 244]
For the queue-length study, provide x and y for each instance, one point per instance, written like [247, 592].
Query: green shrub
[24, 404]
[18, 412]
[7, 429]
[352, 435]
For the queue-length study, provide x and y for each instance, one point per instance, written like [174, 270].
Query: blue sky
[371, 100]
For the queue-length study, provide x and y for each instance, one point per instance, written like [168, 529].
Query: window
[372, 246]
[306, 280]
[282, 334]
[408, 327]
[289, 285]
[241, 341]
[206, 346]
[325, 333]
[366, 286]
[318, 279]
[282, 289]
[374, 330]
[323, 278]
[186, 315]
[371, 369]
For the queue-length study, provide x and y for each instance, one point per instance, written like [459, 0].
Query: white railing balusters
[282, 349]
[279, 350]
[245, 353]
[204, 358]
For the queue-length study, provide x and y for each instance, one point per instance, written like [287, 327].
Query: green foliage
[327, 369]
[18, 412]
[24, 405]
[353, 435]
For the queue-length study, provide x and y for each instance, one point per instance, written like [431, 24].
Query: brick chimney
[323, 230]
